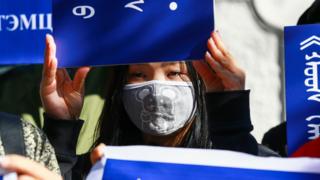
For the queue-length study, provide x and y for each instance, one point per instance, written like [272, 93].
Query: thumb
[80, 78]
[97, 153]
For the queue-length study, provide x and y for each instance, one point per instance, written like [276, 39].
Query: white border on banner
[208, 157]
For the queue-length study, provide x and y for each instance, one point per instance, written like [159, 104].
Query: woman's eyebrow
[169, 64]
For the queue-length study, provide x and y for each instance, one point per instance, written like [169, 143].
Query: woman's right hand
[62, 97]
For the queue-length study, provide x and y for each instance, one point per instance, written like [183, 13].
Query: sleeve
[63, 135]
[38, 147]
[229, 121]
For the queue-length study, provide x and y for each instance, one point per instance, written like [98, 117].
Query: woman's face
[167, 71]
[163, 101]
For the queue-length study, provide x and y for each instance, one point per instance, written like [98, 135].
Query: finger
[25, 177]
[233, 78]
[79, 78]
[66, 75]
[24, 166]
[49, 74]
[50, 62]
[220, 70]
[214, 51]
[220, 45]
[62, 77]
[50, 50]
[47, 52]
[217, 55]
[202, 68]
[216, 66]
[97, 153]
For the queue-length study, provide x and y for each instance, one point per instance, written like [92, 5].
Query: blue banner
[302, 60]
[7, 176]
[156, 163]
[105, 32]
[23, 25]
[128, 170]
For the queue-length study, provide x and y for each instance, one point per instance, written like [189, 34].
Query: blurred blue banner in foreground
[157, 163]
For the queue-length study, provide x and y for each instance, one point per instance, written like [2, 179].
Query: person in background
[22, 138]
[276, 138]
[310, 16]
[20, 85]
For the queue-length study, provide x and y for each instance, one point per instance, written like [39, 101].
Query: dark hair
[115, 127]
[311, 15]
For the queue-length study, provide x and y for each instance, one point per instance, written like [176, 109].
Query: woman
[164, 104]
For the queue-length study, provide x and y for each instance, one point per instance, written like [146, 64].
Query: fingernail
[50, 63]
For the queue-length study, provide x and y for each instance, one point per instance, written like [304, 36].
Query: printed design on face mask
[157, 105]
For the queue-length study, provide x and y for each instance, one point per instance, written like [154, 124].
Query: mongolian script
[312, 83]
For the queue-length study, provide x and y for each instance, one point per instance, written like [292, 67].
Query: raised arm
[226, 100]
[62, 97]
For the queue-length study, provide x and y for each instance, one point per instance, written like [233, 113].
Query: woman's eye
[174, 73]
[137, 75]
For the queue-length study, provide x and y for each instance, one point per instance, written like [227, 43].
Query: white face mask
[159, 107]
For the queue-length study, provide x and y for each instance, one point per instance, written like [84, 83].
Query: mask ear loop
[196, 82]
[195, 104]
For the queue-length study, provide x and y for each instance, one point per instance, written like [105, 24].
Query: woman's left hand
[97, 153]
[219, 70]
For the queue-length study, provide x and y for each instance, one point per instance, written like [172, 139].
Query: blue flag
[23, 25]
[105, 32]
[144, 163]
[302, 60]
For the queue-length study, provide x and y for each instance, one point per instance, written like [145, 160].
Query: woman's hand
[26, 168]
[219, 70]
[62, 98]
[97, 153]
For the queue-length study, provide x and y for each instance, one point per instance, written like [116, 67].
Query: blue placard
[105, 32]
[302, 60]
[150, 162]
[23, 25]
[140, 170]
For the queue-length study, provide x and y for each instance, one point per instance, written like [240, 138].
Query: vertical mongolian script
[311, 83]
